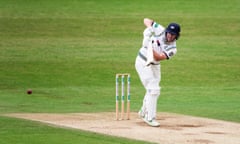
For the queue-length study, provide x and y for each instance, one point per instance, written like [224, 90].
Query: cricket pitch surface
[174, 128]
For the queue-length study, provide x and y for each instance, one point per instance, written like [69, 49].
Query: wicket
[122, 76]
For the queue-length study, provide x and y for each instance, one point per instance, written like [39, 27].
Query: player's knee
[155, 92]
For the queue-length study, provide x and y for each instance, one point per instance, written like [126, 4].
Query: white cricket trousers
[150, 77]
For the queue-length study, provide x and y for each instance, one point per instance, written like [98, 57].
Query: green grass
[22, 132]
[68, 52]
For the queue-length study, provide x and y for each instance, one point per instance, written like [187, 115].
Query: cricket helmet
[174, 28]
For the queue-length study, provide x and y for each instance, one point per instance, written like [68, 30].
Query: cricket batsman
[158, 44]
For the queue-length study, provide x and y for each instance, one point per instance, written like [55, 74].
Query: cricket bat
[150, 58]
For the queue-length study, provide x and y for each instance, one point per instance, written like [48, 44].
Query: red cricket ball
[29, 91]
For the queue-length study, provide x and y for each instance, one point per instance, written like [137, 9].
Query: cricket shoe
[152, 122]
[141, 114]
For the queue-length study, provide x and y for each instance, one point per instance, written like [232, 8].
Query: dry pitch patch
[174, 128]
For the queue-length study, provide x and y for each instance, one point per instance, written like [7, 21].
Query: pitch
[175, 128]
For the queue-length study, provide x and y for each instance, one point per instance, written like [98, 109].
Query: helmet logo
[172, 27]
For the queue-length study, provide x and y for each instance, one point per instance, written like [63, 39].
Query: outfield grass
[68, 52]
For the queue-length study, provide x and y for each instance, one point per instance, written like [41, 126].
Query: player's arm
[166, 54]
[159, 57]
[148, 32]
[153, 27]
